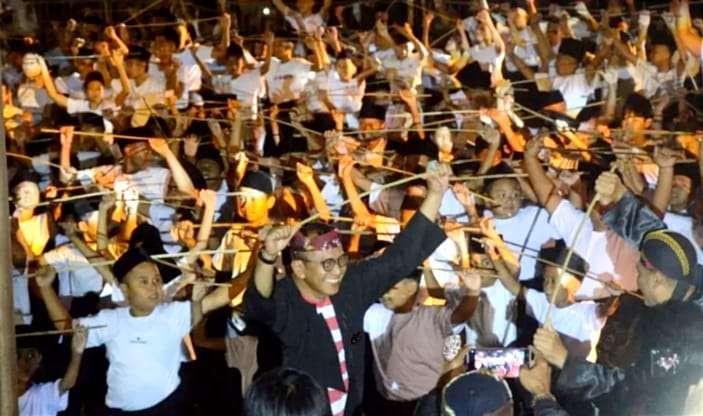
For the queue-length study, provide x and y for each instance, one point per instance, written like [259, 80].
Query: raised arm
[60, 99]
[58, 314]
[471, 281]
[665, 158]
[118, 63]
[179, 175]
[543, 187]
[689, 38]
[78, 343]
[269, 50]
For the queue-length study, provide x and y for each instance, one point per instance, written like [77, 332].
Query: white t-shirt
[683, 224]
[651, 80]
[503, 326]
[42, 400]
[20, 298]
[152, 90]
[249, 87]
[579, 323]
[289, 79]
[527, 53]
[345, 95]
[486, 56]
[77, 105]
[152, 182]
[311, 23]
[76, 277]
[515, 230]
[575, 88]
[188, 73]
[408, 70]
[144, 352]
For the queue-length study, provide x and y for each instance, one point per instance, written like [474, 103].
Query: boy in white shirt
[46, 399]
[143, 340]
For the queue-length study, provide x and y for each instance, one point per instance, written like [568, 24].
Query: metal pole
[8, 357]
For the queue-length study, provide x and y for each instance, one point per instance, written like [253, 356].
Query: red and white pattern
[338, 399]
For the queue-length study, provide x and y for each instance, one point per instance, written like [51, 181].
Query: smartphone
[502, 362]
[664, 362]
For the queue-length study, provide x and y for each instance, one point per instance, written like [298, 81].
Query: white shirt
[575, 88]
[579, 323]
[503, 327]
[144, 352]
[345, 95]
[42, 400]
[20, 298]
[651, 80]
[288, 80]
[515, 231]
[76, 277]
[311, 23]
[77, 105]
[152, 90]
[408, 70]
[248, 87]
[152, 182]
[683, 224]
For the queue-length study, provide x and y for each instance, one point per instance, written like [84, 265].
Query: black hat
[371, 110]
[128, 261]
[673, 255]
[147, 239]
[475, 393]
[573, 48]
[256, 179]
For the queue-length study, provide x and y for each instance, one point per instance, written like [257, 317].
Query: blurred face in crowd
[89, 227]
[137, 157]
[28, 362]
[283, 49]
[236, 65]
[566, 65]
[143, 288]
[165, 49]
[371, 127]
[554, 34]
[211, 172]
[655, 287]
[400, 294]
[484, 35]
[27, 195]
[680, 192]
[319, 273]
[84, 66]
[519, 17]
[568, 286]
[94, 92]
[634, 123]
[135, 68]
[254, 205]
[508, 195]
[346, 69]
[660, 55]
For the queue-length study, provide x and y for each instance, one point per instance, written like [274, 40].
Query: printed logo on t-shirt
[138, 340]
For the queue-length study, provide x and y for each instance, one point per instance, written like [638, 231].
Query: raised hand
[160, 146]
[550, 346]
[610, 188]
[665, 157]
[79, 339]
[471, 280]
[438, 177]
[207, 197]
[45, 275]
[276, 239]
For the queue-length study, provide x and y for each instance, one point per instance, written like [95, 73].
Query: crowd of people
[336, 213]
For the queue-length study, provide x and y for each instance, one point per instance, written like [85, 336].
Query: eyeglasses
[328, 264]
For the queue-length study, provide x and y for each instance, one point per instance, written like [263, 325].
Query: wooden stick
[55, 332]
[118, 136]
[569, 254]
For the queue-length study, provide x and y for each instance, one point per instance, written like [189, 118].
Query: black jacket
[671, 329]
[307, 342]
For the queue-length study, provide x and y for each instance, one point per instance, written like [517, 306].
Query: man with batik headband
[318, 313]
